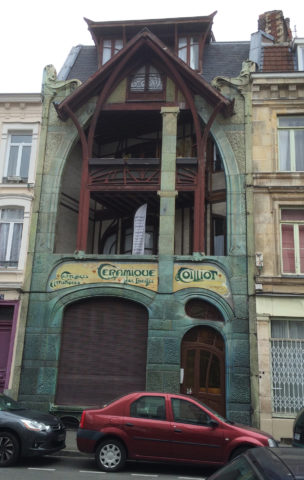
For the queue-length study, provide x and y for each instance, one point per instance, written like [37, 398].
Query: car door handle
[129, 424]
[177, 430]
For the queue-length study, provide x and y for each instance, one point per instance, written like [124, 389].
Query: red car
[162, 427]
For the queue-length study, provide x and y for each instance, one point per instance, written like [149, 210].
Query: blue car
[25, 433]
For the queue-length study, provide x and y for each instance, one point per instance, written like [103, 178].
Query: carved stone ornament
[50, 80]
[242, 80]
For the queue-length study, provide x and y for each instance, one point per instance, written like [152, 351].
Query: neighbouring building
[139, 275]
[278, 217]
[20, 120]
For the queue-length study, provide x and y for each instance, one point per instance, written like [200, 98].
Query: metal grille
[287, 375]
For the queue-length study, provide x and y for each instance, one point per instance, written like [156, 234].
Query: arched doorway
[203, 364]
[103, 351]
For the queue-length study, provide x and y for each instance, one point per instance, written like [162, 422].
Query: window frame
[17, 202]
[192, 40]
[300, 56]
[292, 143]
[287, 342]
[9, 129]
[114, 49]
[146, 94]
[296, 238]
[9, 245]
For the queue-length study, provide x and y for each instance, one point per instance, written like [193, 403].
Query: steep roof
[150, 43]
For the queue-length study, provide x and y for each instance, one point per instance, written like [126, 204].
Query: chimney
[276, 25]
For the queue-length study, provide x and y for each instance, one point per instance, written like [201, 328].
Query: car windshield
[239, 469]
[7, 403]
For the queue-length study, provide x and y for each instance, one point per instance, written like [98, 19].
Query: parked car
[264, 464]
[25, 433]
[298, 430]
[162, 427]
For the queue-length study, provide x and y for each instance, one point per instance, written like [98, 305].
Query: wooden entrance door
[203, 362]
[6, 322]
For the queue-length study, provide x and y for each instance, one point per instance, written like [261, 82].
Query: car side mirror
[213, 423]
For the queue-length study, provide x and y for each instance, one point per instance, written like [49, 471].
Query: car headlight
[36, 426]
[272, 442]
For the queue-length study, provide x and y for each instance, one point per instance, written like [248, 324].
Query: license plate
[297, 436]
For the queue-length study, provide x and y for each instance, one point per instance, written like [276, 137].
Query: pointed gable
[145, 44]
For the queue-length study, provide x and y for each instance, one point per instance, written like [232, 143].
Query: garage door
[103, 351]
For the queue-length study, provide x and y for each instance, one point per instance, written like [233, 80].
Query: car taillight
[81, 424]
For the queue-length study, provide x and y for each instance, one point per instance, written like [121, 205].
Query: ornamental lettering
[74, 274]
[204, 276]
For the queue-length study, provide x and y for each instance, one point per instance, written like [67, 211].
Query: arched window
[146, 83]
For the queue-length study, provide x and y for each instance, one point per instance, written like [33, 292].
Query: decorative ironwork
[126, 175]
[287, 375]
[186, 176]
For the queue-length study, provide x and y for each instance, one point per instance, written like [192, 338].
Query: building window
[287, 354]
[146, 83]
[18, 156]
[110, 47]
[11, 224]
[291, 143]
[300, 51]
[292, 239]
[188, 51]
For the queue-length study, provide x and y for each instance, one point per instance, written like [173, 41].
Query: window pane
[118, 45]
[155, 82]
[138, 81]
[16, 242]
[284, 150]
[279, 329]
[288, 253]
[299, 147]
[149, 407]
[204, 361]
[291, 121]
[187, 412]
[12, 161]
[4, 230]
[214, 384]
[296, 330]
[11, 214]
[107, 51]
[182, 48]
[194, 53]
[189, 370]
[301, 246]
[25, 162]
[291, 214]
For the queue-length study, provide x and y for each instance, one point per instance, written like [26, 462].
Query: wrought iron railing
[287, 375]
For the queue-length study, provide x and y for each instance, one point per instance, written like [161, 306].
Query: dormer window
[301, 57]
[188, 51]
[110, 47]
[147, 82]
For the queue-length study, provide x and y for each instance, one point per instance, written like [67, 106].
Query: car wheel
[110, 456]
[238, 451]
[9, 449]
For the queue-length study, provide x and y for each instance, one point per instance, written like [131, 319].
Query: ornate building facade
[139, 275]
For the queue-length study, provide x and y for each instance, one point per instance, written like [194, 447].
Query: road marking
[92, 471]
[43, 469]
[143, 475]
[192, 478]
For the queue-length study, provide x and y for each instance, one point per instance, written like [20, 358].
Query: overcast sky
[35, 33]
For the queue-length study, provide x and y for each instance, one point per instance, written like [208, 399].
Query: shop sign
[206, 276]
[73, 274]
